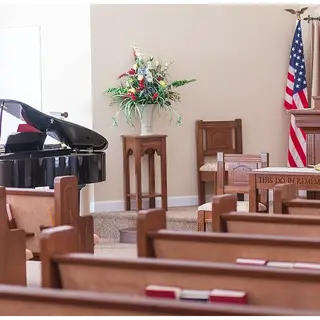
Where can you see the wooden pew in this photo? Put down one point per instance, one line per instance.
(18, 301)
(12, 249)
(34, 210)
(287, 201)
(226, 219)
(154, 241)
(85, 272)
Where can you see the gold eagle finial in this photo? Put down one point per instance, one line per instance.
(298, 13)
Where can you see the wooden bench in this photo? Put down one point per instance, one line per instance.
(226, 219)
(154, 241)
(287, 201)
(12, 249)
(80, 271)
(34, 210)
(18, 301)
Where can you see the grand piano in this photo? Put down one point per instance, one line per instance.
(27, 162)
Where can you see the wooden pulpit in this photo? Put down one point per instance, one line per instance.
(309, 121)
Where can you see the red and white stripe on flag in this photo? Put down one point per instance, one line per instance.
(296, 98)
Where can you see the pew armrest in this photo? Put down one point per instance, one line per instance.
(85, 233)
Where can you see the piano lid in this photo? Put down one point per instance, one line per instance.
(71, 134)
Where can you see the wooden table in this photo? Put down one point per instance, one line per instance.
(267, 178)
(137, 146)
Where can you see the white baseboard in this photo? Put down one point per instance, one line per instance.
(182, 201)
(118, 205)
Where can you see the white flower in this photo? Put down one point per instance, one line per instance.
(140, 77)
(149, 78)
(149, 65)
(135, 67)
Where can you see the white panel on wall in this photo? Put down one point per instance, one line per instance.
(20, 70)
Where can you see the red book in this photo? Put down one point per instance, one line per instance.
(166, 292)
(228, 296)
(304, 265)
(255, 262)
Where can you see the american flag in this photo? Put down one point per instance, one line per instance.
(296, 98)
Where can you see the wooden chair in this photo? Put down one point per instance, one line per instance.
(18, 301)
(236, 182)
(34, 210)
(86, 272)
(226, 219)
(287, 201)
(155, 241)
(212, 137)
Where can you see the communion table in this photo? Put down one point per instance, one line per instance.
(267, 178)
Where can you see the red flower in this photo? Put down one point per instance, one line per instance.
(141, 84)
(131, 72)
(155, 96)
(159, 78)
(133, 97)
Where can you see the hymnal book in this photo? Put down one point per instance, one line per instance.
(195, 295)
(305, 265)
(280, 264)
(42, 188)
(228, 296)
(255, 262)
(167, 292)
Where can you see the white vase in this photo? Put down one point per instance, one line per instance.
(146, 115)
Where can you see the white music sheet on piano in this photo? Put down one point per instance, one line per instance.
(20, 72)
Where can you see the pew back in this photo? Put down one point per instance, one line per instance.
(34, 210)
(155, 241)
(287, 201)
(17, 301)
(226, 220)
(76, 271)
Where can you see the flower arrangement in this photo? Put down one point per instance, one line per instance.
(146, 83)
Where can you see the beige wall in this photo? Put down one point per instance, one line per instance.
(239, 54)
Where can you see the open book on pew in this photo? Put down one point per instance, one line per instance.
(215, 295)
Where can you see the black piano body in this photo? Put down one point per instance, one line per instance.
(27, 163)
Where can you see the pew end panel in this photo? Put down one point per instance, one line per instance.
(85, 228)
(283, 192)
(58, 240)
(148, 221)
(15, 258)
(12, 249)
